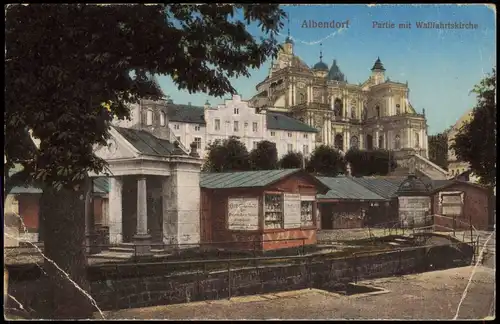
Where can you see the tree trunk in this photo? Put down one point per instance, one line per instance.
(63, 222)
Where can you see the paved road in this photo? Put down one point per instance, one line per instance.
(431, 295)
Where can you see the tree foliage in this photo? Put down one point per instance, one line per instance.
(60, 97)
(70, 69)
(438, 149)
(227, 155)
(264, 156)
(291, 160)
(326, 161)
(370, 162)
(476, 141)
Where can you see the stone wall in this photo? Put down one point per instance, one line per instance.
(130, 286)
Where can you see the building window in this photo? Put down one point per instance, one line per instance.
(236, 126)
(377, 111)
(289, 147)
(354, 142)
(339, 142)
(176, 126)
(417, 140)
(289, 134)
(381, 142)
(217, 124)
(197, 140)
(305, 149)
(337, 107)
(236, 111)
(197, 128)
(305, 136)
(273, 134)
(397, 142)
(255, 126)
(273, 211)
(149, 117)
(255, 145)
(162, 118)
(306, 212)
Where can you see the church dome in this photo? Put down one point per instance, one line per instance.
(335, 73)
(320, 66)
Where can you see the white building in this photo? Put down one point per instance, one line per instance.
(203, 125)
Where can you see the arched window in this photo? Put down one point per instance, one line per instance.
(149, 117)
(377, 111)
(397, 142)
(162, 118)
(302, 98)
(339, 142)
(381, 141)
(337, 107)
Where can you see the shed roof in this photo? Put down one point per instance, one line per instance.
(244, 179)
(345, 188)
(145, 142)
(283, 122)
(388, 186)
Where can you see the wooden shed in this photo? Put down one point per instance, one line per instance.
(457, 204)
(259, 210)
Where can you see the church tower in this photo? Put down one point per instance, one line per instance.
(378, 72)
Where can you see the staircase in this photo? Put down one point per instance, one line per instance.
(430, 169)
(422, 165)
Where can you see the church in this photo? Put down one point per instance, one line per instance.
(374, 114)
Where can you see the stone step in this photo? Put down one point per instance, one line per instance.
(394, 243)
(113, 255)
(400, 240)
(121, 249)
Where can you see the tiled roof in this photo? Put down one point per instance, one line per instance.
(145, 142)
(185, 114)
(346, 188)
(279, 121)
(244, 179)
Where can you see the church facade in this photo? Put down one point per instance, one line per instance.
(374, 114)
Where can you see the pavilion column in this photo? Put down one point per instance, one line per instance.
(142, 239)
(115, 211)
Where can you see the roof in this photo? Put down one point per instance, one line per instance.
(145, 142)
(378, 65)
(244, 179)
(382, 186)
(335, 73)
(283, 122)
(345, 188)
(320, 66)
(101, 185)
(25, 190)
(253, 179)
(413, 185)
(185, 113)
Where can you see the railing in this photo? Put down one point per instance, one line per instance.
(425, 162)
(172, 138)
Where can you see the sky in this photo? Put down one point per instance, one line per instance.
(441, 66)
